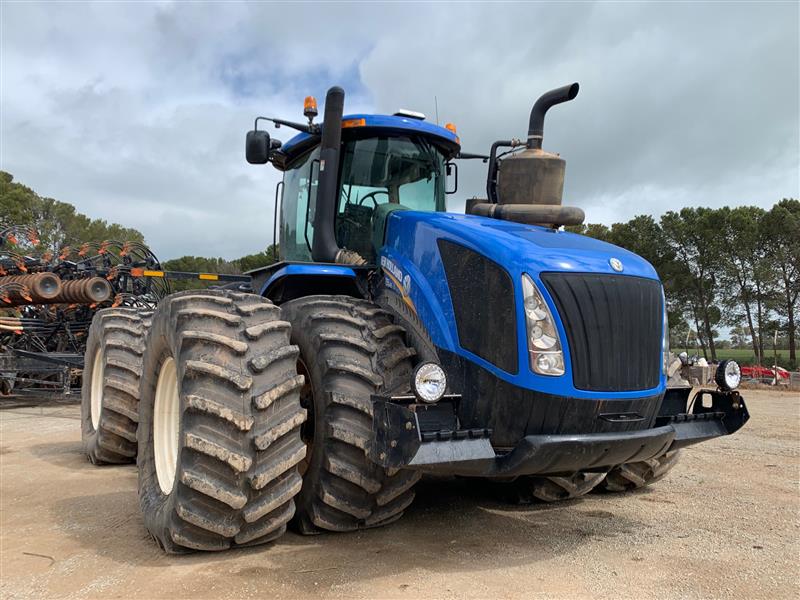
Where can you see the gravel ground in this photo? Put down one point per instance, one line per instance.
(724, 523)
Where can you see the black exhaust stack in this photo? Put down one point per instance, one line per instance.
(324, 248)
(545, 102)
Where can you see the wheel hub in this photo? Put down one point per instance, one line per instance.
(307, 428)
(166, 425)
(98, 374)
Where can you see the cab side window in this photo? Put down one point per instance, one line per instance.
(297, 209)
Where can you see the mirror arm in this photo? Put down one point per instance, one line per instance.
(305, 128)
(468, 155)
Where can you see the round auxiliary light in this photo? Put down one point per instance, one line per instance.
(430, 382)
(728, 375)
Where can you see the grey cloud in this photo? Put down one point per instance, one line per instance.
(137, 113)
(679, 101)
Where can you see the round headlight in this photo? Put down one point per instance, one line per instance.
(728, 375)
(543, 335)
(430, 382)
(550, 363)
(534, 309)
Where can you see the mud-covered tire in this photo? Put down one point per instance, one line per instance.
(350, 349)
(631, 476)
(556, 489)
(111, 376)
(238, 436)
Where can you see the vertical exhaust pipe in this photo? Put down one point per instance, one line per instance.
(540, 108)
(324, 247)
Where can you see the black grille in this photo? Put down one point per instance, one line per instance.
(483, 302)
(613, 326)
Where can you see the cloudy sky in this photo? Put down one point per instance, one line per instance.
(136, 112)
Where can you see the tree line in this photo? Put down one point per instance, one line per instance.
(57, 223)
(728, 267)
(218, 265)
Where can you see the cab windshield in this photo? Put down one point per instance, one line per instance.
(382, 174)
(377, 175)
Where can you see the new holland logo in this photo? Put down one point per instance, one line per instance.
(400, 280)
(616, 264)
(407, 284)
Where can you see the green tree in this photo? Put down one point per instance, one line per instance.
(692, 235)
(16, 201)
(741, 269)
(782, 244)
(258, 260)
(593, 230)
(58, 223)
(643, 236)
(739, 337)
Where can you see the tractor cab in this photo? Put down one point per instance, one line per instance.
(387, 163)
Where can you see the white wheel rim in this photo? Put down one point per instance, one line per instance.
(166, 425)
(96, 395)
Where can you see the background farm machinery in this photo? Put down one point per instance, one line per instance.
(48, 300)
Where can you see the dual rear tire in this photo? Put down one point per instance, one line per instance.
(622, 478)
(556, 489)
(632, 476)
(349, 349)
(111, 379)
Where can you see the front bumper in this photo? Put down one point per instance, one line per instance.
(400, 442)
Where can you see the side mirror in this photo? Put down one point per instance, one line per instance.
(257, 147)
(451, 169)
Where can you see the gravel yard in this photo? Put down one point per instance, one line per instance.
(724, 523)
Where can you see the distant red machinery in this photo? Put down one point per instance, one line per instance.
(758, 372)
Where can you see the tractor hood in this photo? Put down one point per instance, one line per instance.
(514, 246)
(437, 260)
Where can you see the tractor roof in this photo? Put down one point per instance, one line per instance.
(374, 124)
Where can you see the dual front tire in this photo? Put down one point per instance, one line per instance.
(212, 404)
(219, 433)
(226, 455)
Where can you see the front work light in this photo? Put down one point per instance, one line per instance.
(544, 346)
(728, 375)
(429, 382)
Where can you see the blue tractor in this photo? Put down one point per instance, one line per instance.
(395, 339)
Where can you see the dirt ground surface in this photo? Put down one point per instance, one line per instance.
(725, 523)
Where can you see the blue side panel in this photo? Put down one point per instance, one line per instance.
(412, 252)
(306, 270)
